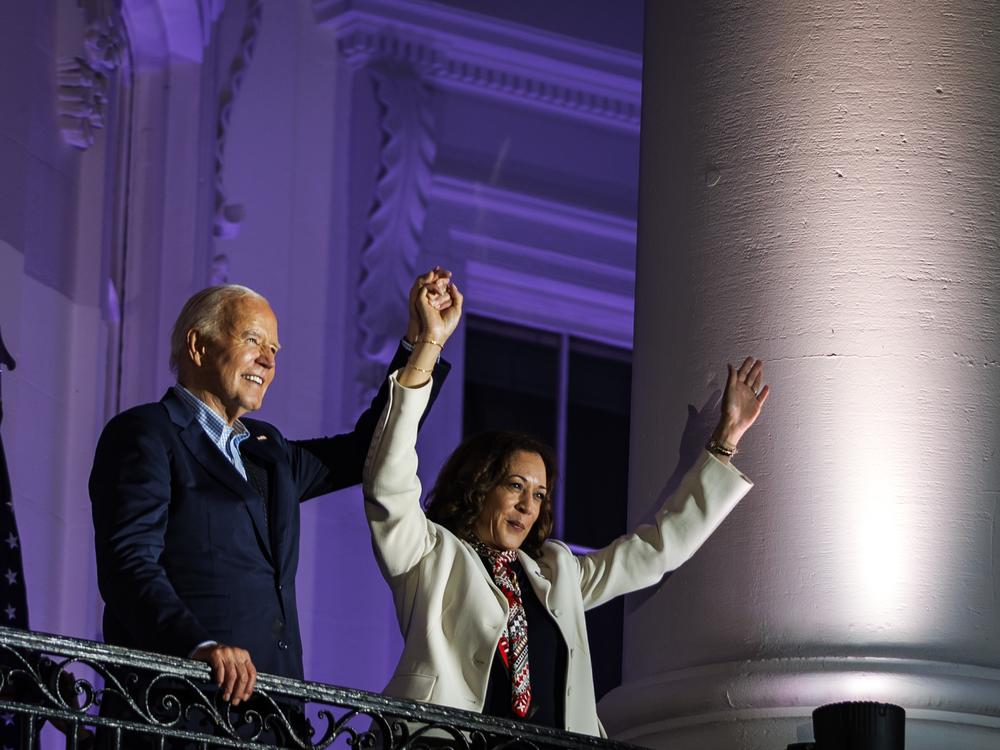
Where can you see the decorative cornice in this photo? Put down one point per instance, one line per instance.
(469, 52)
(83, 81)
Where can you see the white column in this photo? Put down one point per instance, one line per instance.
(820, 188)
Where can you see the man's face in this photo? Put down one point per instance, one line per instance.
(236, 368)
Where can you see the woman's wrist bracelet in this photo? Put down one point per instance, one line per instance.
(720, 448)
(430, 341)
(419, 369)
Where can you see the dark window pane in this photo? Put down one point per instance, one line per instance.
(597, 436)
(596, 481)
(511, 380)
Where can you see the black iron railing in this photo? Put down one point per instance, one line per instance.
(106, 696)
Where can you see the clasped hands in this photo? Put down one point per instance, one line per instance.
(435, 307)
(435, 310)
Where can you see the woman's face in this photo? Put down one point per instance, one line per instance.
(511, 508)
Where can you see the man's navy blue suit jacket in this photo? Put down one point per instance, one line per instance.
(187, 551)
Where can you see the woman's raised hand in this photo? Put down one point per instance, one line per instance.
(741, 402)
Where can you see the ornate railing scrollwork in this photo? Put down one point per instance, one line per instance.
(138, 699)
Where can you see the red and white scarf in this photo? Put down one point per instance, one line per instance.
(513, 645)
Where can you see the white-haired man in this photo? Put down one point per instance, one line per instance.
(196, 509)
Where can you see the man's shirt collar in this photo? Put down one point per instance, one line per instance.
(226, 438)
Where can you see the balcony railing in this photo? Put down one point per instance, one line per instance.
(121, 698)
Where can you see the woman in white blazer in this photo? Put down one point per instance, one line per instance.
(491, 610)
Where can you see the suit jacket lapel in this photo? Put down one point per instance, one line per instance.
(212, 460)
(487, 576)
(260, 450)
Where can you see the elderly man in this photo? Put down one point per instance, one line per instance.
(196, 509)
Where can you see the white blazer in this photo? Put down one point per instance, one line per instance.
(450, 612)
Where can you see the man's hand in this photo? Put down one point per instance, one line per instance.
(436, 281)
(232, 670)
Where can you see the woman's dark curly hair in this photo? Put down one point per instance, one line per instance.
(476, 467)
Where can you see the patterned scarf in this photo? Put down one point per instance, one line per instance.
(513, 645)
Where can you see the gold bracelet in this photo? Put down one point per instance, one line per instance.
(430, 341)
(420, 369)
(720, 449)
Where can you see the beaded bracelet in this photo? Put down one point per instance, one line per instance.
(720, 449)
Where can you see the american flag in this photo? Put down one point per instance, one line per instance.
(13, 596)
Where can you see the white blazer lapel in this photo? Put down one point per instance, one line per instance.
(478, 563)
(539, 582)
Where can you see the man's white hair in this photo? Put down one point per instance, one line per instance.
(205, 313)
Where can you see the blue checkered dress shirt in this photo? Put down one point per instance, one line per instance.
(227, 439)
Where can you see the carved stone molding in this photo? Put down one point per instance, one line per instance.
(464, 51)
(396, 217)
(228, 216)
(82, 81)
